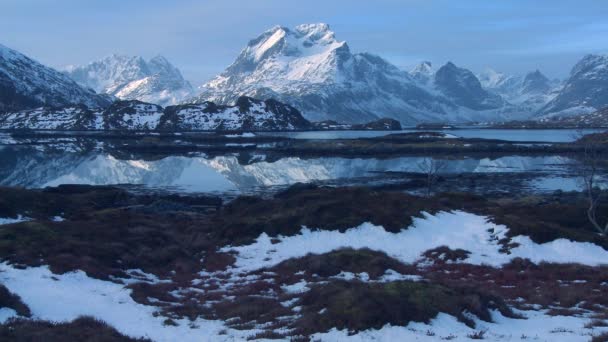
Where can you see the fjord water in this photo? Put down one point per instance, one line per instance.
(538, 135)
(252, 172)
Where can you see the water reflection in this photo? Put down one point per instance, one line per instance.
(35, 169)
(539, 135)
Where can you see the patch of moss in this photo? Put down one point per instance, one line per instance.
(12, 301)
(358, 306)
(374, 263)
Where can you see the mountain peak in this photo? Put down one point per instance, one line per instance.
(464, 87)
(310, 69)
(316, 33)
(134, 78)
(536, 82)
(450, 65)
(585, 90)
(589, 64)
(536, 74)
(423, 72)
(424, 66)
(160, 59)
(280, 40)
(492, 79)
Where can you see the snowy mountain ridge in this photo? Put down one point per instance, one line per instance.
(585, 91)
(133, 78)
(529, 93)
(318, 74)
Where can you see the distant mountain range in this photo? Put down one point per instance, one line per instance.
(312, 70)
(308, 68)
(133, 78)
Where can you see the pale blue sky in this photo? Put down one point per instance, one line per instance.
(203, 37)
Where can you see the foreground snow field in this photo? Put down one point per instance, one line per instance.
(456, 230)
(67, 296)
(61, 297)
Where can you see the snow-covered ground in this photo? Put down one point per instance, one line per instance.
(456, 230)
(60, 297)
(536, 327)
(65, 297)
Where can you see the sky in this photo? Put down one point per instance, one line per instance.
(203, 37)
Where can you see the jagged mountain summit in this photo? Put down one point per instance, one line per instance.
(585, 91)
(528, 93)
(133, 78)
(310, 69)
(423, 72)
(464, 88)
(25, 83)
(536, 83)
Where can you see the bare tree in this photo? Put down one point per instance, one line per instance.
(431, 168)
(590, 170)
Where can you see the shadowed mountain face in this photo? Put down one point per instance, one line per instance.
(464, 88)
(536, 82)
(25, 83)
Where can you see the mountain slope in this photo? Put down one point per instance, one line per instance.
(585, 91)
(464, 88)
(133, 78)
(25, 83)
(310, 69)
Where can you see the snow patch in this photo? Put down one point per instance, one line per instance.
(65, 297)
(8, 220)
(457, 230)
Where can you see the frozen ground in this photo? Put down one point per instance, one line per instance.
(56, 297)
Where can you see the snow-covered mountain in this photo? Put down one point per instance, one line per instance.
(423, 72)
(310, 69)
(25, 83)
(528, 93)
(133, 78)
(585, 91)
(248, 114)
